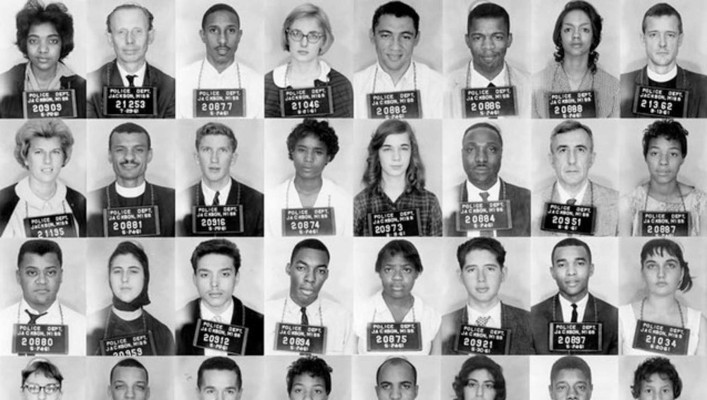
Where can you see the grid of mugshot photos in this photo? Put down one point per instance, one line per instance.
(445, 199)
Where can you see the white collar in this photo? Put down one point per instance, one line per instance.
(279, 74)
(209, 194)
(656, 77)
(408, 75)
(25, 193)
(31, 83)
(210, 68)
(494, 313)
(473, 193)
(480, 81)
(139, 79)
(130, 192)
(225, 316)
(53, 309)
(564, 195)
(566, 306)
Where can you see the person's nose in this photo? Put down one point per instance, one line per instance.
(575, 34)
(663, 42)
(214, 157)
(481, 156)
(572, 157)
(129, 38)
(309, 276)
(396, 394)
(43, 46)
(481, 276)
(487, 43)
(214, 281)
(222, 38)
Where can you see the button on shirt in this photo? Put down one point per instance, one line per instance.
(474, 194)
(494, 314)
(567, 308)
(223, 318)
(139, 75)
(209, 194)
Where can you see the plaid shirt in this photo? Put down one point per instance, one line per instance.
(374, 200)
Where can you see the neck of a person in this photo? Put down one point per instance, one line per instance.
(220, 66)
(575, 66)
(393, 186)
(303, 302)
(573, 189)
(218, 185)
(304, 71)
(43, 190)
(489, 74)
(397, 75)
(218, 310)
(131, 67)
(482, 307)
(664, 190)
(39, 307)
(662, 304)
(576, 297)
(308, 186)
(399, 303)
(484, 185)
(661, 69)
(44, 78)
(128, 315)
(131, 183)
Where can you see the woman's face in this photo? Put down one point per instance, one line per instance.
(662, 273)
(43, 47)
(303, 50)
(664, 159)
(394, 155)
(576, 33)
(45, 159)
(127, 277)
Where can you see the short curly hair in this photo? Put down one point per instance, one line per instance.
(656, 365)
(35, 13)
(668, 129)
(319, 129)
(475, 363)
(46, 129)
(312, 366)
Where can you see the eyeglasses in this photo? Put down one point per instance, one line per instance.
(297, 35)
(48, 389)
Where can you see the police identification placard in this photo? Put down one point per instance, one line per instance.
(658, 223)
(209, 103)
(566, 105)
(568, 218)
(395, 223)
(219, 336)
(482, 340)
(659, 338)
(40, 338)
(51, 226)
(571, 337)
(300, 338)
(49, 104)
(126, 102)
(306, 102)
(489, 102)
(398, 105)
(308, 221)
(651, 101)
(131, 221)
(138, 344)
(484, 215)
(210, 220)
(394, 336)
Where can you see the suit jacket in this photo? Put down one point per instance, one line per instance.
(191, 313)
(513, 318)
(608, 315)
(693, 82)
(164, 200)
(108, 75)
(251, 199)
(605, 200)
(12, 84)
(520, 211)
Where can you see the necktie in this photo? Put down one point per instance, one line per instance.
(491, 85)
(215, 202)
(485, 199)
(572, 201)
(131, 80)
(305, 320)
(574, 313)
(482, 321)
(33, 317)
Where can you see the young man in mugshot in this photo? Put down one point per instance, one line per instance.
(220, 378)
(396, 85)
(396, 379)
(128, 86)
(240, 89)
(130, 206)
(216, 264)
(129, 379)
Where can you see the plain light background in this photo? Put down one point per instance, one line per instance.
(603, 284)
(159, 54)
(72, 289)
(428, 49)
(274, 381)
(544, 15)
(73, 174)
(160, 370)
(76, 60)
(342, 25)
(691, 54)
(515, 372)
(364, 376)
(73, 369)
(604, 376)
(160, 255)
(185, 377)
(689, 368)
(249, 288)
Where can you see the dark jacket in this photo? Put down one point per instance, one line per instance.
(162, 336)
(108, 75)
(12, 84)
(9, 199)
(251, 199)
(520, 211)
(693, 82)
(164, 199)
(253, 321)
(608, 315)
(513, 318)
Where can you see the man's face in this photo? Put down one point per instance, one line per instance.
(396, 382)
(482, 275)
(215, 157)
(571, 384)
(127, 277)
(480, 385)
(395, 39)
(129, 155)
(662, 39)
(221, 35)
(482, 152)
(40, 278)
(571, 156)
(130, 35)
(657, 387)
(39, 379)
(308, 387)
(308, 271)
(488, 39)
(664, 159)
(219, 385)
(129, 383)
(45, 159)
(397, 276)
(310, 156)
(571, 269)
(215, 279)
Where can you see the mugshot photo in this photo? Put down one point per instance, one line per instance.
(204, 377)
(672, 377)
(480, 376)
(52, 377)
(308, 376)
(137, 377)
(410, 377)
(581, 377)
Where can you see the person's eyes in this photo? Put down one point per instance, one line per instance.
(672, 265)
(322, 271)
(203, 275)
(566, 30)
(408, 270)
(407, 37)
(231, 392)
(488, 385)
(493, 150)
(674, 154)
(226, 274)
(587, 30)
(54, 41)
(582, 387)
(32, 41)
(52, 273)
(387, 270)
(232, 30)
(581, 263)
(407, 385)
(471, 384)
(384, 35)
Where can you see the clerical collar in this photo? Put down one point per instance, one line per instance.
(130, 192)
(654, 76)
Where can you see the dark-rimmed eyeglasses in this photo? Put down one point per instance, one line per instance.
(297, 35)
(35, 389)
